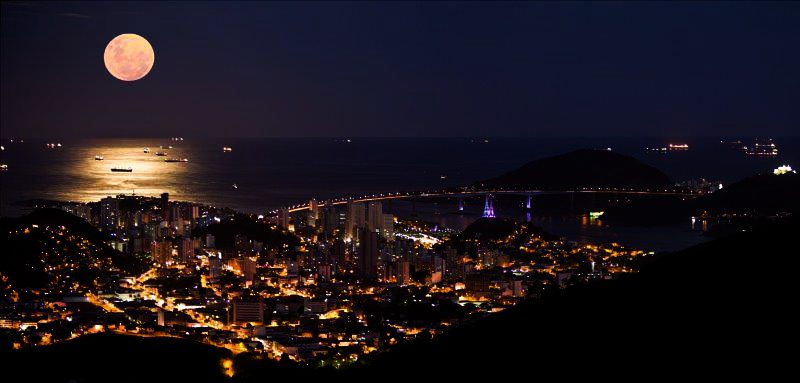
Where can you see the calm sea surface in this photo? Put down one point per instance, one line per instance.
(270, 173)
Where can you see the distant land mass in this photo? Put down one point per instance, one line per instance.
(764, 194)
(585, 168)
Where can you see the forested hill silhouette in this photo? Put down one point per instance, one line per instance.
(585, 168)
(709, 309)
(56, 217)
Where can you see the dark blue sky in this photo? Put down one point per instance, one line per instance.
(405, 69)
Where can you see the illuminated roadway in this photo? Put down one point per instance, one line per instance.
(471, 193)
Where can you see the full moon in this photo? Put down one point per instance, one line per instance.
(129, 57)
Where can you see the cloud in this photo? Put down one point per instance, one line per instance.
(41, 9)
(76, 15)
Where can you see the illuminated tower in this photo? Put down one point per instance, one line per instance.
(460, 204)
(528, 203)
(488, 209)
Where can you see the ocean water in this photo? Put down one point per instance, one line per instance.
(275, 172)
(271, 173)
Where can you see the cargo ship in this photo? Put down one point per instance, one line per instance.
(126, 170)
(173, 159)
(161, 154)
(763, 148)
(98, 158)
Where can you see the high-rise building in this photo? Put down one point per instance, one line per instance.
(283, 218)
(244, 311)
(404, 273)
(313, 209)
(162, 252)
(109, 213)
(387, 228)
(478, 282)
(244, 265)
(354, 220)
(330, 221)
(375, 216)
(324, 272)
(338, 255)
(165, 207)
(368, 254)
(214, 267)
(440, 265)
(187, 250)
(175, 214)
(210, 241)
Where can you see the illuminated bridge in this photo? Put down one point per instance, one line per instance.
(480, 192)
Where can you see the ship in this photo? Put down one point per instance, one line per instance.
(166, 147)
(98, 158)
(161, 153)
(763, 148)
(174, 159)
(674, 147)
(147, 150)
(226, 149)
(126, 170)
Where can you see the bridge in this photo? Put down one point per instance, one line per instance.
(489, 192)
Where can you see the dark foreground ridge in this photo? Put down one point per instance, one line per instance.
(584, 168)
(714, 308)
(107, 357)
(717, 309)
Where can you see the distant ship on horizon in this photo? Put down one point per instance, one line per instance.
(126, 170)
(98, 158)
(173, 159)
(161, 154)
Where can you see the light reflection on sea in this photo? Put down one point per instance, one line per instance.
(274, 172)
(150, 175)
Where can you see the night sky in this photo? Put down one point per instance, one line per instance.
(405, 69)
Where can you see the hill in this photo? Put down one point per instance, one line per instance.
(761, 195)
(52, 238)
(57, 217)
(766, 193)
(107, 357)
(581, 169)
(489, 229)
(704, 311)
